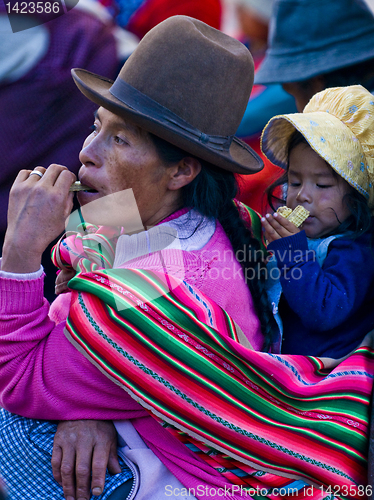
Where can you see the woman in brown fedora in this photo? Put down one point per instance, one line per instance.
(166, 313)
(163, 136)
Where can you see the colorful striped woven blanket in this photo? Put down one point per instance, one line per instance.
(263, 420)
(183, 358)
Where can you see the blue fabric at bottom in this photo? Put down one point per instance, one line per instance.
(25, 460)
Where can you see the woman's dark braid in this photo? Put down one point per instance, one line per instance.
(211, 193)
(254, 269)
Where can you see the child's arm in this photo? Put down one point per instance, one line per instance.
(324, 297)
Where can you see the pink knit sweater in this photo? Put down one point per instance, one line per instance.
(43, 376)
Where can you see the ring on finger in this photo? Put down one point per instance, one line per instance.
(36, 172)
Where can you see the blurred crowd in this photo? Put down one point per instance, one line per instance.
(299, 47)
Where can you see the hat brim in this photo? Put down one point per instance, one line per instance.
(327, 135)
(239, 158)
(296, 66)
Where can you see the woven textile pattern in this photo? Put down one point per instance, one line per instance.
(293, 416)
(262, 420)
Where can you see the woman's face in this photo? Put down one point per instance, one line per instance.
(312, 184)
(115, 157)
(304, 91)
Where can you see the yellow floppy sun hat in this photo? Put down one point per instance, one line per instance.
(338, 123)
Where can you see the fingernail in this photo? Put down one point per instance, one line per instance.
(267, 216)
(275, 214)
(96, 492)
(70, 498)
(263, 219)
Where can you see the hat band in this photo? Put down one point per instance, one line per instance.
(139, 101)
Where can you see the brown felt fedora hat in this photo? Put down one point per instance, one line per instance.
(187, 83)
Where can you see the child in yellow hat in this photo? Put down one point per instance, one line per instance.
(326, 267)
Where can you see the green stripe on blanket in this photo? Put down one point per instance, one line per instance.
(179, 355)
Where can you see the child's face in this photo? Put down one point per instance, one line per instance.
(312, 184)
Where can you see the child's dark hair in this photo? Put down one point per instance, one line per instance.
(359, 220)
(211, 193)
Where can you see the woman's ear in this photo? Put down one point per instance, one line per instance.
(184, 173)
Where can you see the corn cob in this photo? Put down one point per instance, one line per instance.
(297, 216)
(284, 211)
(77, 186)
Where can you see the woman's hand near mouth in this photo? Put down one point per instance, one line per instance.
(38, 208)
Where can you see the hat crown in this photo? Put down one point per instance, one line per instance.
(170, 65)
(325, 22)
(312, 37)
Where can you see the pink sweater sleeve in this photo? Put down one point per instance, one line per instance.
(42, 375)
